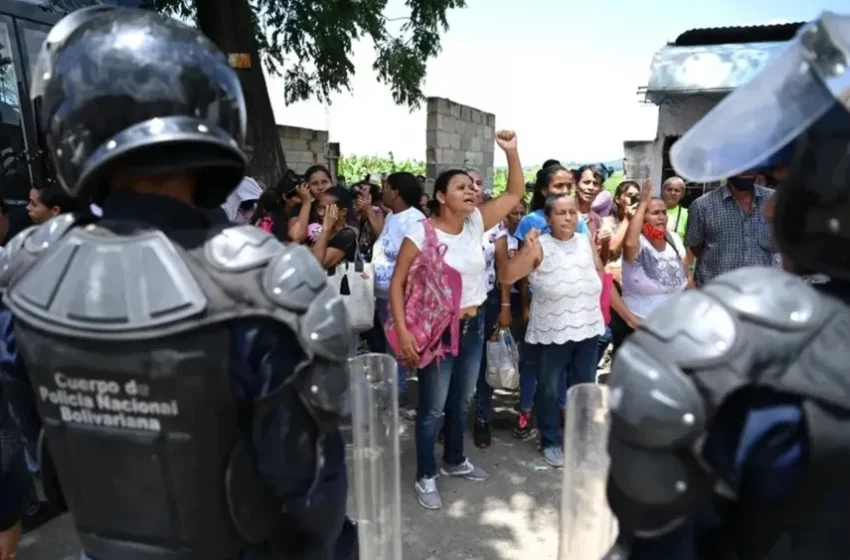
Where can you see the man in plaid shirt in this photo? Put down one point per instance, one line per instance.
(726, 229)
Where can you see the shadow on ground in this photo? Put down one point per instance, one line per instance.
(512, 515)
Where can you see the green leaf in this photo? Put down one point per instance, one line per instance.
(354, 168)
(310, 42)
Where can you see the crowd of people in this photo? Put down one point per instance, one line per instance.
(570, 268)
(721, 445)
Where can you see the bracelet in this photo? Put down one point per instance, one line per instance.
(506, 305)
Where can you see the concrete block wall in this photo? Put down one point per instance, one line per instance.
(638, 160)
(458, 135)
(304, 147)
(675, 117)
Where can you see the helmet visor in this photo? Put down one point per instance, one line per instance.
(755, 121)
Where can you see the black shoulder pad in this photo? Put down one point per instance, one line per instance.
(26, 248)
(14, 259)
(294, 278)
(241, 248)
(93, 282)
(326, 329)
(770, 297)
(48, 233)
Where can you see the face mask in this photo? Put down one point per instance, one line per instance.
(743, 184)
(654, 232)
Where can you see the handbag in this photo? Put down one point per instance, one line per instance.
(356, 282)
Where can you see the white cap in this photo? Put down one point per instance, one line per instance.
(248, 189)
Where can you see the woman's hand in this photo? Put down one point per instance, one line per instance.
(646, 192)
(330, 218)
(407, 347)
(304, 193)
(504, 320)
(632, 321)
(363, 203)
(531, 241)
(506, 139)
(603, 236)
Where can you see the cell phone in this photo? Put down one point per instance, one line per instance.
(634, 198)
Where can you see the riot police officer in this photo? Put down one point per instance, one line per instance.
(187, 380)
(730, 406)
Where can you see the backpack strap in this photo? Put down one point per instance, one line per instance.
(669, 239)
(431, 240)
(430, 232)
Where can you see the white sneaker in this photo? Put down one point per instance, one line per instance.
(426, 491)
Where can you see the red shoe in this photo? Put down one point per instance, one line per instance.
(523, 428)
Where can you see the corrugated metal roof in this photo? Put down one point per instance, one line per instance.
(744, 34)
(681, 71)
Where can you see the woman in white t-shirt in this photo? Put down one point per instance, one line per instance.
(481, 433)
(449, 384)
(653, 264)
(401, 196)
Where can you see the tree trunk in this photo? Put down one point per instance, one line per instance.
(228, 23)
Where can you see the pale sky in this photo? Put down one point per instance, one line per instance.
(564, 75)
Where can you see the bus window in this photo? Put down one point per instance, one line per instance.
(14, 175)
(33, 38)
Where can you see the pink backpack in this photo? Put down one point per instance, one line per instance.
(431, 302)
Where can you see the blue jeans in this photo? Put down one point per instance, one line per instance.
(561, 366)
(382, 309)
(529, 362)
(484, 393)
(448, 385)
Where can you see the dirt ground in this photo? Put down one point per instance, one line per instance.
(511, 516)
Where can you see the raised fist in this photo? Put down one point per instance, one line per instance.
(506, 139)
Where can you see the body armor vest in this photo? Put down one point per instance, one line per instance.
(751, 328)
(126, 343)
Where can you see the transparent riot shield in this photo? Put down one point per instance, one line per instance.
(377, 476)
(588, 528)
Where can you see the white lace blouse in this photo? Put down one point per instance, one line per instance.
(565, 293)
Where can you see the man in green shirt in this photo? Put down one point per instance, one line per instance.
(672, 192)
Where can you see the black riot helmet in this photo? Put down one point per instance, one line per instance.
(131, 90)
(795, 113)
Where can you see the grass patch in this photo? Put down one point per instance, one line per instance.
(614, 180)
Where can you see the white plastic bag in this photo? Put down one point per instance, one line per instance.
(502, 361)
